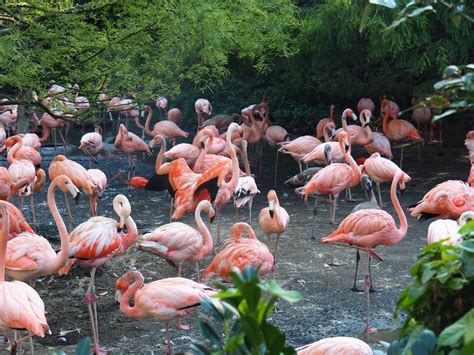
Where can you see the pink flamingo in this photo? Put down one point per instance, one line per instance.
(446, 200)
(161, 103)
(16, 151)
(389, 106)
(164, 300)
(470, 178)
(96, 241)
(178, 242)
(336, 345)
(399, 130)
(381, 145)
(360, 135)
(241, 252)
(165, 128)
(203, 109)
(368, 228)
(129, 143)
(3, 137)
(365, 104)
(30, 256)
(174, 115)
(334, 178)
(222, 122)
(21, 306)
(323, 122)
(259, 109)
(273, 219)
(447, 230)
(382, 170)
(246, 188)
(274, 135)
(188, 152)
(9, 188)
(99, 180)
(18, 224)
(422, 117)
(30, 140)
(48, 123)
(299, 147)
(80, 102)
(91, 143)
(318, 156)
(469, 142)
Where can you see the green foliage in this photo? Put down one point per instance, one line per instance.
(420, 342)
(241, 314)
(82, 348)
(459, 335)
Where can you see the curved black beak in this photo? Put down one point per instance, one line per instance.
(211, 219)
(119, 230)
(77, 198)
(365, 125)
(271, 213)
(202, 145)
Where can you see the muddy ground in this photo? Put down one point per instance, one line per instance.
(328, 308)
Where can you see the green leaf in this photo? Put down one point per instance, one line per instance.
(83, 347)
(453, 334)
(210, 335)
(427, 275)
(274, 289)
(444, 114)
(467, 245)
(451, 70)
(199, 349)
(391, 4)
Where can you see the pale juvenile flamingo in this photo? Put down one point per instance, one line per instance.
(30, 256)
(203, 109)
(322, 122)
(365, 104)
(399, 131)
(165, 128)
(382, 170)
(16, 151)
(96, 241)
(299, 147)
(174, 115)
(91, 143)
(447, 230)
(334, 178)
(246, 188)
(380, 144)
(336, 346)
(241, 252)
(21, 306)
(188, 152)
(164, 300)
(129, 143)
(9, 188)
(366, 229)
(161, 103)
(446, 200)
(273, 219)
(178, 242)
(318, 156)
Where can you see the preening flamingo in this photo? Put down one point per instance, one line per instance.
(322, 123)
(9, 188)
(447, 230)
(273, 219)
(369, 228)
(93, 243)
(18, 224)
(21, 306)
(203, 109)
(30, 256)
(299, 147)
(380, 144)
(99, 180)
(222, 122)
(16, 151)
(446, 200)
(178, 242)
(161, 103)
(241, 252)
(336, 345)
(206, 160)
(164, 300)
(358, 135)
(334, 178)
(31, 140)
(165, 128)
(365, 104)
(390, 107)
(246, 188)
(49, 123)
(382, 170)
(91, 143)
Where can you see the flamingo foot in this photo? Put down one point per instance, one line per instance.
(372, 290)
(99, 351)
(355, 289)
(182, 326)
(370, 330)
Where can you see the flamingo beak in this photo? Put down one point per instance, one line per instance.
(202, 145)
(152, 143)
(271, 208)
(354, 117)
(118, 295)
(211, 218)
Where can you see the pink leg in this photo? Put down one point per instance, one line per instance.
(380, 195)
(368, 285)
(198, 278)
(168, 348)
(93, 311)
(334, 206)
(219, 215)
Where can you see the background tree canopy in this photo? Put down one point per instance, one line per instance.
(304, 54)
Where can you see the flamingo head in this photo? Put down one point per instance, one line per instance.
(367, 115)
(206, 206)
(122, 208)
(366, 182)
(349, 113)
(272, 199)
(342, 138)
(122, 285)
(66, 185)
(161, 103)
(157, 139)
(465, 217)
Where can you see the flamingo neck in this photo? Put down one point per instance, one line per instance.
(402, 231)
(344, 124)
(246, 160)
(147, 124)
(45, 133)
(128, 238)
(367, 130)
(385, 127)
(130, 293)
(63, 255)
(331, 112)
(235, 162)
(4, 238)
(18, 143)
(327, 138)
(352, 163)
(208, 242)
(159, 158)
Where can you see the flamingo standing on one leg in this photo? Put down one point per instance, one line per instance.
(179, 242)
(93, 243)
(9, 188)
(369, 228)
(16, 151)
(48, 123)
(164, 300)
(273, 219)
(241, 252)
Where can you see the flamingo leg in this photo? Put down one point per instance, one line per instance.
(63, 139)
(168, 342)
(301, 168)
(198, 277)
(315, 212)
(334, 207)
(354, 287)
(180, 268)
(276, 169)
(97, 349)
(401, 158)
(55, 138)
(32, 207)
(275, 252)
(68, 207)
(250, 211)
(32, 348)
(219, 219)
(367, 328)
(171, 208)
(380, 195)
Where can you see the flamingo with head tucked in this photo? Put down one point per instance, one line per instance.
(203, 109)
(322, 123)
(365, 104)
(165, 128)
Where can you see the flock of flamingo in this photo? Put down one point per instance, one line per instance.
(201, 177)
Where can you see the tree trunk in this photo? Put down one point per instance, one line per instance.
(23, 120)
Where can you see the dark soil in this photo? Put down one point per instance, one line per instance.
(328, 308)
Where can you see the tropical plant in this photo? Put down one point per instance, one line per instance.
(241, 314)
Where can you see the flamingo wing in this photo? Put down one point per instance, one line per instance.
(26, 252)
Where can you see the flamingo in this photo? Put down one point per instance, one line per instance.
(165, 128)
(188, 152)
(222, 122)
(31, 140)
(365, 104)
(299, 147)
(399, 130)
(16, 151)
(174, 115)
(30, 256)
(469, 142)
(203, 109)
(161, 103)
(48, 123)
(129, 143)
(91, 143)
(447, 230)
(96, 241)
(241, 252)
(246, 188)
(137, 182)
(21, 306)
(178, 242)
(334, 178)
(80, 102)
(422, 117)
(382, 170)
(366, 229)
(380, 144)
(318, 156)
(336, 345)
(3, 137)
(389, 106)
(99, 180)
(18, 224)
(357, 135)
(322, 122)
(9, 188)
(164, 300)
(273, 219)
(446, 200)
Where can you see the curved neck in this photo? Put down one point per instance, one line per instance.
(256, 126)
(235, 162)
(16, 146)
(63, 255)
(128, 238)
(326, 135)
(352, 163)
(131, 291)
(344, 123)
(246, 160)
(18, 185)
(159, 158)
(4, 238)
(402, 231)
(368, 132)
(385, 123)
(331, 112)
(208, 242)
(147, 124)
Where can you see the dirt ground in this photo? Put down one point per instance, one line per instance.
(328, 308)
